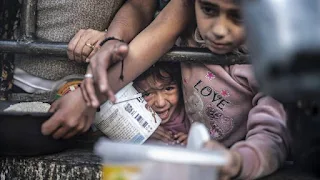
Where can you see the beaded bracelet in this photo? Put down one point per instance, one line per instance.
(109, 39)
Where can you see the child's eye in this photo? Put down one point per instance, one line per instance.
(145, 94)
(210, 10)
(235, 16)
(170, 88)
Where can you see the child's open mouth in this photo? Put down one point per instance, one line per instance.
(163, 115)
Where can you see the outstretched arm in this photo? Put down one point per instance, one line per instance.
(132, 18)
(144, 50)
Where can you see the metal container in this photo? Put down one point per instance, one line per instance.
(20, 134)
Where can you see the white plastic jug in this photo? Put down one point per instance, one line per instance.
(150, 162)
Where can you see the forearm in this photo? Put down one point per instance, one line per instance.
(152, 42)
(133, 17)
(267, 142)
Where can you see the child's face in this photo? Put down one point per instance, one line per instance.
(220, 25)
(162, 98)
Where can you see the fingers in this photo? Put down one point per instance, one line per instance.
(103, 90)
(181, 138)
(116, 54)
(61, 127)
(101, 78)
(62, 131)
(51, 125)
(214, 145)
(54, 106)
(235, 164)
(71, 116)
(234, 160)
(90, 117)
(113, 51)
(96, 48)
(84, 124)
(163, 135)
(83, 48)
(92, 94)
(90, 114)
(73, 43)
(89, 92)
(84, 92)
(73, 131)
(120, 52)
(162, 138)
(84, 44)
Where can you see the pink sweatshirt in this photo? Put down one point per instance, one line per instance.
(227, 101)
(178, 123)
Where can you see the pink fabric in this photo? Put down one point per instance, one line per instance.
(227, 101)
(178, 123)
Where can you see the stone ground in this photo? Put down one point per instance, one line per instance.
(83, 165)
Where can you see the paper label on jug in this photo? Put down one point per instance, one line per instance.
(127, 121)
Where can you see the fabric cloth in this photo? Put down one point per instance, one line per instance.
(177, 124)
(59, 21)
(227, 100)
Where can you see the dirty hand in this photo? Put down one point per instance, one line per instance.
(71, 116)
(84, 44)
(163, 135)
(233, 167)
(181, 138)
(97, 85)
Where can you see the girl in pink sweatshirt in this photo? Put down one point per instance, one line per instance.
(248, 125)
(160, 86)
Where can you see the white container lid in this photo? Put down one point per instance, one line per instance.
(123, 152)
(113, 152)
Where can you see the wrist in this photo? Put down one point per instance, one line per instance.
(110, 38)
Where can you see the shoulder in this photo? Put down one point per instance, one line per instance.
(244, 75)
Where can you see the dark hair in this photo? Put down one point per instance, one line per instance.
(156, 71)
(237, 2)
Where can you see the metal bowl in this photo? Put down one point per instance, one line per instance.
(20, 134)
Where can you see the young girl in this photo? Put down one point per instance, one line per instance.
(226, 98)
(160, 86)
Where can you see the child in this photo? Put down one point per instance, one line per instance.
(160, 86)
(226, 98)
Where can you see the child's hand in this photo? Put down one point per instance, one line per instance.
(96, 85)
(163, 135)
(181, 138)
(233, 168)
